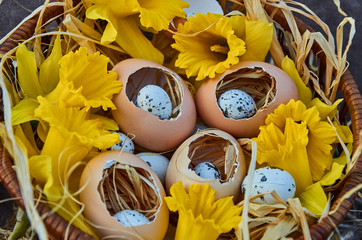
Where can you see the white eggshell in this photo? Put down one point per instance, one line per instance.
(268, 179)
(203, 7)
(157, 162)
(155, 100)
(131, 218)
(207, 170)
(236, 104)
(124, 144)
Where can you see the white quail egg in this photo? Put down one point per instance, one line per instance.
(236, 104)
(155, 100)
(157, 162)
(268, 179)
(131, 218)
(207, 170)
(124, 144)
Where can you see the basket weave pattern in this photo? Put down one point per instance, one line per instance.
(56, 226)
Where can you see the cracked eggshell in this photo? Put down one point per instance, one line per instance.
(178, 169)
(211, 114)
(95, 209)
(151, 132)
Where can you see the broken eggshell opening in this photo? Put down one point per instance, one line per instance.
(267, 84)
(150, 131)
(97, 195)
(214, 146)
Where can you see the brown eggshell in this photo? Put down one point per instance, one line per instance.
(151, 132)
(95, 209)
(209, 111)
(178, 169)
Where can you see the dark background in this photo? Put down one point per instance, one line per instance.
(13, 11)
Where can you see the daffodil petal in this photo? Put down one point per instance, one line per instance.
(49, 70)
(158, 14)
(40, 167)
(314, 199)
(28, 72)
(332, 175)
(319, 149)
(119, 8)
(238, 23)
(179, 197)
(101, 12)
(227, 214)
(344, 133)
(132, 40)
(258, 38)
(324, 109)
(72, 124)
(107, 123)
(304, 92)
(32, 149)
(342, 159)
(23, 111)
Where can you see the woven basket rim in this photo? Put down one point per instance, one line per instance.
(55, 224)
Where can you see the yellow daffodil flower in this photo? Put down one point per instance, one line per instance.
(85, 81)
(200, 216)
(35, 83)
(321, 134)
(71, 136)
(32, 82)
(286, 149)
(123, 18)
(210, 44)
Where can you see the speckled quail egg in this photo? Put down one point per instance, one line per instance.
(268, 179)
(207, 170)
(109, 163)
(157, 162)
(124, 144)
(155, 100)
(131, 218)
(236, 104)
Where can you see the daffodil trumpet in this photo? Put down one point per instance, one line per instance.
(200, 216)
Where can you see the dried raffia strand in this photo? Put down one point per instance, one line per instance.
(254, 81)
(125, 187)
(335, 59)
(243, 230)
(20, 159)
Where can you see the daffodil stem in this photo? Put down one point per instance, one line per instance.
(21, 225)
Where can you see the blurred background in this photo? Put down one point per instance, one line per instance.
(13, 11)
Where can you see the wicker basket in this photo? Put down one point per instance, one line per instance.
(352, 105)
